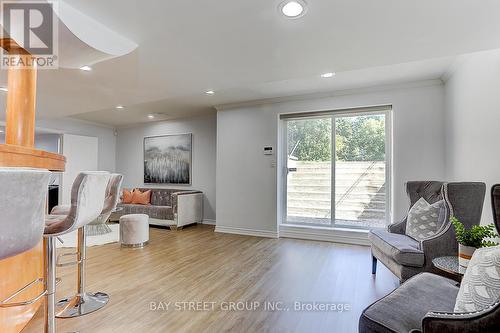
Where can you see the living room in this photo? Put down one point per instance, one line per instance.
(295, 166)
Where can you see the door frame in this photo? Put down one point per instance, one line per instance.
(386, 110)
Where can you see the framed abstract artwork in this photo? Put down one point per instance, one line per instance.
(167, 159)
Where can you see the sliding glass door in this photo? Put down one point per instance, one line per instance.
(338, 169)
(309, 168)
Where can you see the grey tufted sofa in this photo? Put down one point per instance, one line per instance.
(406, 257)
(169, 207)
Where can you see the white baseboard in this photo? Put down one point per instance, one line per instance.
(246, 232)
(337, 235)
(208, 221)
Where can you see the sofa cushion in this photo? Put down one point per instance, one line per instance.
(156, 212)
(141, 198)
(425, 220)
(403, 309)
(480, 286)
(127, 196)
(160, 196)
(403, 249)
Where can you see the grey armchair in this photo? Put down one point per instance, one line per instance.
(425, 304)
(405, 256)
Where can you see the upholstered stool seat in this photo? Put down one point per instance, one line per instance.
(134, 230)
(22, 210)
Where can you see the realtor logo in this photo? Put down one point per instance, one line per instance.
(32, 26)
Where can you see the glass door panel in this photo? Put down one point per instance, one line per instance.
(309, 171)
(360, 171)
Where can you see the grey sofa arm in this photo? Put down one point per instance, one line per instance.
(187, 207)
(487, 320)
(398, 227)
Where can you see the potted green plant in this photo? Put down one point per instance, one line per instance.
(471, 239)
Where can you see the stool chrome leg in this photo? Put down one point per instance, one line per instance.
(83, 302)
(50, 284)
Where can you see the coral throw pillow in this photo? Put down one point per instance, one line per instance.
(127, 196)
(141, 198)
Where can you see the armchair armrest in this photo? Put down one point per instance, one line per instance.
(398, 227)
(441, 244)
(487, 320)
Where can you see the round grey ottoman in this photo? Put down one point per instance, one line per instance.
(134, 230)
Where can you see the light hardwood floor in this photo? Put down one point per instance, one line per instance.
(197, 264)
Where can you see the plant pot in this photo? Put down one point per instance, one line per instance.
(464, 254)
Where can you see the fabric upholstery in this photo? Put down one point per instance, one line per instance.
(404, 249)
(98, 227)
(404, 308)
(22, 209)
(60, 210)
(134, 229)
(425, 220)
(156, 212)
(127, 196)
(403, 272)
(163, 204)
(480, 287)
(431, 191)
(398, 227)
(87, 201)
(160, 196)
(112, 195)
(487, 320)
(141, 198)
(464, 200)
(495, 204)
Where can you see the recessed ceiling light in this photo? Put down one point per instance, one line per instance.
(293, 8)
(150, 116)
(4, 89)
(86, 68)
(119, 107)
(209, 92)
(327, 75)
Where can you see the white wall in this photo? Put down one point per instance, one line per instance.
(105, 135)
(130, 158)
(473, 123)
(81, 154)
(247, 180)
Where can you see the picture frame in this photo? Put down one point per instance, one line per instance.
(168, 159)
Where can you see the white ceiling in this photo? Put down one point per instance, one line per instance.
(245, 50)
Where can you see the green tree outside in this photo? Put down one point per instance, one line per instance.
(360, 138)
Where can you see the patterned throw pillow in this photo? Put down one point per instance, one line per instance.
(425, 220)
(480, 286)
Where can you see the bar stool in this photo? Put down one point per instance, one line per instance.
(87, 201)
(22, 210)
(87, 302)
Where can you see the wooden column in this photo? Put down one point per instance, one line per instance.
(18, 151)
(21, 98)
